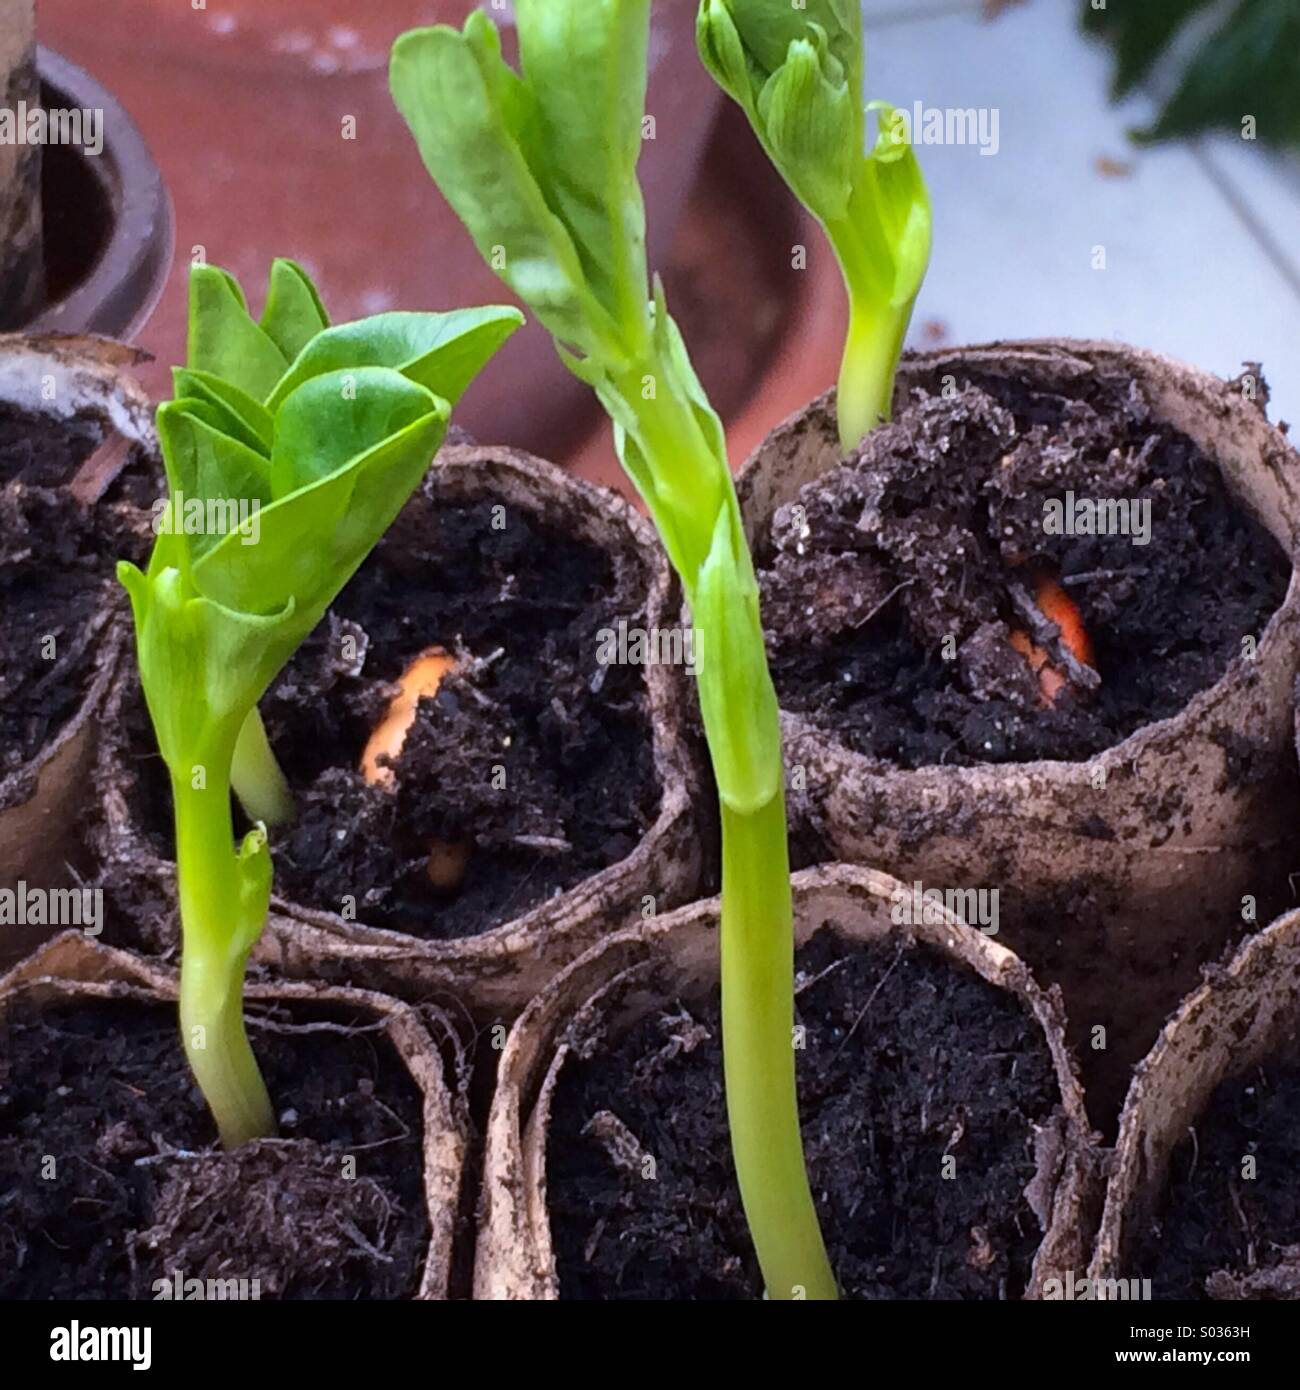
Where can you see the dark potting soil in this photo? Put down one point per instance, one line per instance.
(56, 576)
(1221, 1233)
(110, 1177)
(891, 585)
(907, 1061)
(531, 755)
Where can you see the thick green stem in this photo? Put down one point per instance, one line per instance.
(692, 483)
(877, 328)
(871, 351)
(215, 949)
(260, 785)
(758, 1049)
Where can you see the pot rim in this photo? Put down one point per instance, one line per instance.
(122, 288)
(1084, 351)
(92, 377)
(469, 966)
(514, 1256)
(1255, 993)
(73, 965)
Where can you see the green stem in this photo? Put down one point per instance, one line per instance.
(215, 949)
(691, 484)
(759, 1054)
(872, 348)
(262, 788)
(877, 328)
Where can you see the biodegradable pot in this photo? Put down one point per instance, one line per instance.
(1239, 1018)
(72, 969)
(496, 972)
(1171, 835)
(82, 380)
(639, 970)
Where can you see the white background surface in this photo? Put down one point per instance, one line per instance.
(1202, 238)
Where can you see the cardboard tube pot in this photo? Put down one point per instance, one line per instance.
(640, 970)
(1160, 835)
(495, 972)
(83, 383)
(1239, 1018)
(73, 970)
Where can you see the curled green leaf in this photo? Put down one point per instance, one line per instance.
(798, 73)
(737, 699)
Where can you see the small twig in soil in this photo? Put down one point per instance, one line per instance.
(880, 984)
(350, 1229)
(897, 589)
(589, 1250)
(1088, 576)
(1043, 632)
(347, 1030)
(803, 984)
(1235, 1193)
(547, 844)
(623, 1147)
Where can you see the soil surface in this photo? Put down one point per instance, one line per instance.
(56, 577)
(532, 763)
(101, 1091)
(892, 587)
(1219, 1233)
(959, 1071)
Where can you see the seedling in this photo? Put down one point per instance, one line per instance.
(541, 168)
(798, 71)
(325, 432)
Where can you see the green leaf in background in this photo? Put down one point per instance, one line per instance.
(1245, 65)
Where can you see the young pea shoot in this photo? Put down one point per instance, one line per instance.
(541, 168)
(324, 432)
(797, 71)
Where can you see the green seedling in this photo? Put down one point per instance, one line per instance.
(797, 71)
(541, 168)
(322, 433)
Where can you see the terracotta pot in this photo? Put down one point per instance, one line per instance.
(43, 803)
(1239, 1018)
(107, 217)
(397, 245)
(71, 969)
(1154, 830)
(637, 971)
(22, 266)
(498, 971)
